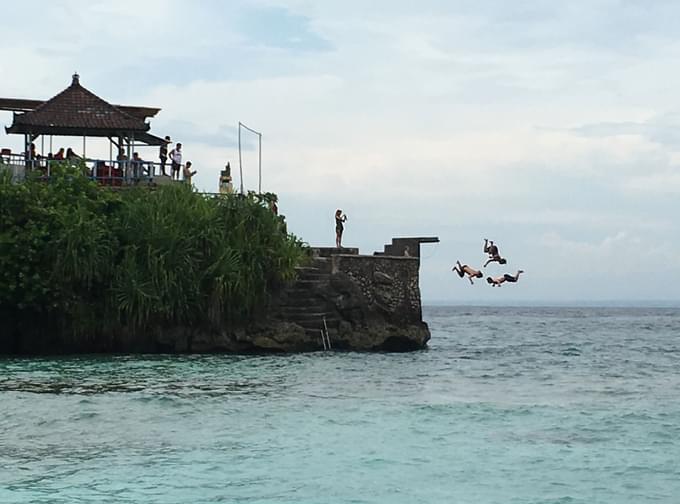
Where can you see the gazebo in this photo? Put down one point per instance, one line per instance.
(77, 112)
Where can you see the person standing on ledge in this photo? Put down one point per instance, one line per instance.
(498, 281)
(339, 227)
(463, 269)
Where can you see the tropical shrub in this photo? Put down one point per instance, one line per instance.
(78, 259)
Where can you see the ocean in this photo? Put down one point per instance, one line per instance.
(507, 405)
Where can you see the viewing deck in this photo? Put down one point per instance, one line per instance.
(105, 172)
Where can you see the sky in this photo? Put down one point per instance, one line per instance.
(549, 127)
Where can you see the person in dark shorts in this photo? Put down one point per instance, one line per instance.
(494, 256)
(339, 227)
(163, 154)
(498, 281)
(175, 161)
(464, 269)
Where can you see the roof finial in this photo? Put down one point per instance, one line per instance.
(76, 78)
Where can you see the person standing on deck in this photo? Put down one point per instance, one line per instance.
(137, 165)
(122, 162)
(188, 173)
(176, 160)
(31, 157)
(163, 154)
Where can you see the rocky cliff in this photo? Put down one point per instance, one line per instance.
(340, 300)
(356, 302)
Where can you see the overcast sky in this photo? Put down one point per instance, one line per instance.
(551, 127)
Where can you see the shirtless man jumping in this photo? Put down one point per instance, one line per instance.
(463, 269)
(498, 281)
(494, 256)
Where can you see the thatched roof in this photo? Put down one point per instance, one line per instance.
(78, 111)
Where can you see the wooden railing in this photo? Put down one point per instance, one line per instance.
(111, 173)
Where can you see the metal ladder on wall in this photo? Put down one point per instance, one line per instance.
(325, 338)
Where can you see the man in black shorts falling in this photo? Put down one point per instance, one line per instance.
(494, 256)
(498, 281)
(464, 269)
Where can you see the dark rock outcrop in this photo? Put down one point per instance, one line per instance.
(367, 303)
(363, 303)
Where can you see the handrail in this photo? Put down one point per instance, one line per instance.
(107, 172)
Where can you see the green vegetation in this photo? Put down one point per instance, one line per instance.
(78, 260)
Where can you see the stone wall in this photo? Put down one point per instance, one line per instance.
(389, 284)
(362, 302)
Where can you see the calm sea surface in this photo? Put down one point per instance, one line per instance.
(508, 405)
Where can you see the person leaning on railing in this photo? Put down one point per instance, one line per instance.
(136, 165)
(122, 162)
(32, 158)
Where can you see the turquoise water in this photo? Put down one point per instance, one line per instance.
(508, 405)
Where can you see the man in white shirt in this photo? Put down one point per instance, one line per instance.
(175, 160)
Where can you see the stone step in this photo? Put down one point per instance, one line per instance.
(299, 289)
(319, 260)
(316, 325)
(329, 251)
(313, 275)
(323, 264)
(315, 321)
(305, 306)
(298, 296)
(292, 310)
(304, 318)
(312, 316)
(319, 279)
(308, 270)
(297, 306)
(305, 284)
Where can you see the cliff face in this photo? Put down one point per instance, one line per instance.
(352, 301)
(363, 302)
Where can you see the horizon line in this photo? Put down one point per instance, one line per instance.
(569, 303)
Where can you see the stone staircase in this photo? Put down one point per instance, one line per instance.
(303, 306)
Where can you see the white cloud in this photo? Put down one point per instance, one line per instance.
(617, 255)
(663, 183)
(462, 119)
